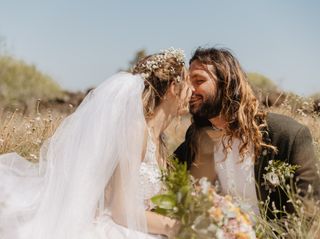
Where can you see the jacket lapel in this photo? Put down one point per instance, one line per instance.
(259, 167)
(263, 195)
(259, 170)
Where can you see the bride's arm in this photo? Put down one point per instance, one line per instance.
(156, 223)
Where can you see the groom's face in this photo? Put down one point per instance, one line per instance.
(205, 101)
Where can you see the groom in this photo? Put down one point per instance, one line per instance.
(229, 131)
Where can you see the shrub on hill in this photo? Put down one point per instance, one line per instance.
(261, 82)
(21, 83)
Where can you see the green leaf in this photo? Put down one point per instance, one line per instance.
(164, 201)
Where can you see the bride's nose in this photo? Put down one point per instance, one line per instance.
(192, 88)
(189, 84)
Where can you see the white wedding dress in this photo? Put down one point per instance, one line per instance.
(90, 172)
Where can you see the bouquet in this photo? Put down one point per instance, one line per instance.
(202, 212)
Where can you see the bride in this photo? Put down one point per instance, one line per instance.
(97, 173)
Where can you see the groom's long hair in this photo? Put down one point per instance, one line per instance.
(239, 106)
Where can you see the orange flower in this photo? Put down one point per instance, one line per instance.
(216, 213)
(242, 235)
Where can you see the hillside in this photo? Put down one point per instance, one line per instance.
(21, 83)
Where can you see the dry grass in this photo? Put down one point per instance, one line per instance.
(25, 134)
(301, 109)
(305, 223)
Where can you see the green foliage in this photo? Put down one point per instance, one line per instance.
(20, 82)
(177, 202)
(177, 198)
(259, 81)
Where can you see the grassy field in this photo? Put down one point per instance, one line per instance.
(306, 222)
(25, 135)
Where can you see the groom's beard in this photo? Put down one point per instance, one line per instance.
(208, 109)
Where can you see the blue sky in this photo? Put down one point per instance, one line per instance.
(81, 43)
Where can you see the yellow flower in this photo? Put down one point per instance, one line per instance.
(216, 213)
(228, 198)
(246, 219)
(241, 235)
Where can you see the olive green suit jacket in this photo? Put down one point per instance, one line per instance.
(295, 146)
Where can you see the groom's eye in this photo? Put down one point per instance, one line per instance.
(199, 82)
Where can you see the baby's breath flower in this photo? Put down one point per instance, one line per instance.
(158, 61)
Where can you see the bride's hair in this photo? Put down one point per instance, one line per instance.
(159, 71)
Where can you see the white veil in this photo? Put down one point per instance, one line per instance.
(100, 144)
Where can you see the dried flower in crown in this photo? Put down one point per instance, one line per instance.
(158, 61)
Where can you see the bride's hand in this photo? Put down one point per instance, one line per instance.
(172, 228)
(162, 225)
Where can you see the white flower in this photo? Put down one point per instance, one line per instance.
(145, 75)
(277, 172)
(264, 152)
(273, 179)
(204, 185)
(220, 234)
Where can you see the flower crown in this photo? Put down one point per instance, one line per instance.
(158, 60)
